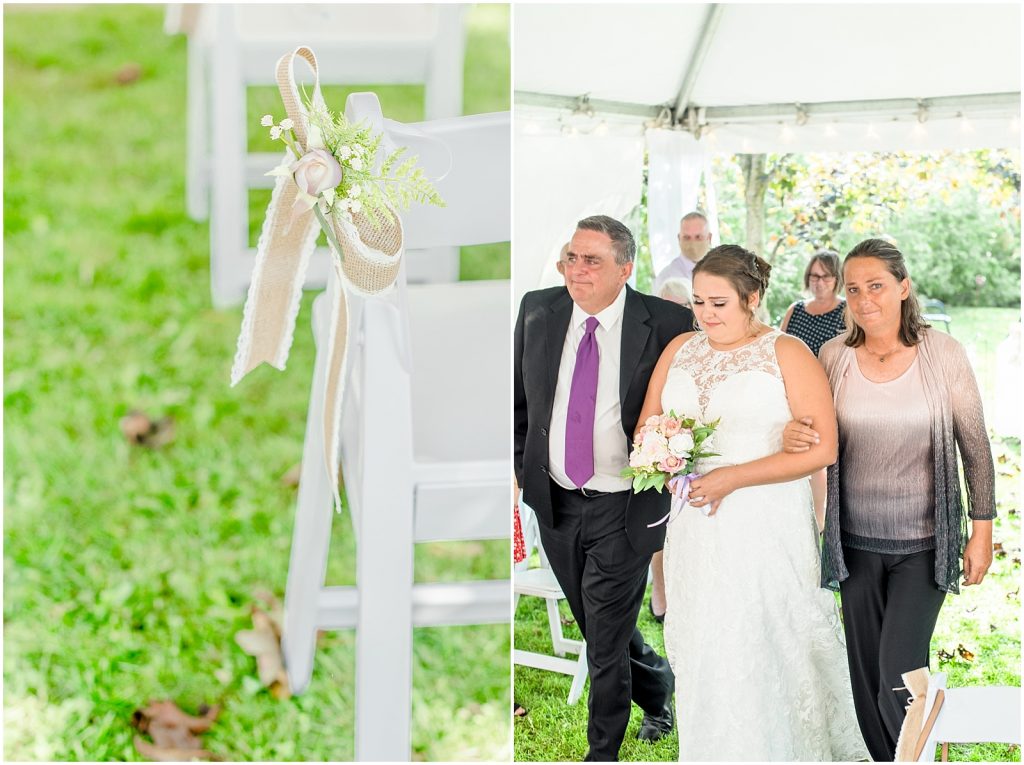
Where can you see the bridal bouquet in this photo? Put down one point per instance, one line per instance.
(336, 175)
(665, 453)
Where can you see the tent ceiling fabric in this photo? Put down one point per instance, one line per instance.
(763, 54)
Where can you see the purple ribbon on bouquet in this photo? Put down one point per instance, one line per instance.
(679, 486)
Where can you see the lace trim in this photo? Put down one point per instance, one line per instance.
(294, 301)
(709, 368)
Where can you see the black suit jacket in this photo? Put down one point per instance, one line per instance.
(648, 325)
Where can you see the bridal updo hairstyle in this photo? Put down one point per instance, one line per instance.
(912, 323)
(745, 271)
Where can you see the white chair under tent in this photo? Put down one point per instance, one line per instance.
(540, 582)
(424, 442)
(229, 47)
(969, 715)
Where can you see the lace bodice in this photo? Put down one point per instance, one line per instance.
(742, 387)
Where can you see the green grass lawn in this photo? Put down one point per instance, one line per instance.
(128, 572)
(984, 620)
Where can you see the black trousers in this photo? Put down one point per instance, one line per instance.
(890, 605)
(604, 581)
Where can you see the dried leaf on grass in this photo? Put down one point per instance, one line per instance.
(964, 653)
(140, 430)
(263, 642)
(291, 476)
(128, 74)
(173, 732)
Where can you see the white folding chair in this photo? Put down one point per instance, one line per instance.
(971, 716)
(233, 46)
(540, 582)
(424, 443)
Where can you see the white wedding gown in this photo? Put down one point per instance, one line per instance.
(756, 646)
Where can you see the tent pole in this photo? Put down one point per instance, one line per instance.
(700, 52)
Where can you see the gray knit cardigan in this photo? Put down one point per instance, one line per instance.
(957, 420)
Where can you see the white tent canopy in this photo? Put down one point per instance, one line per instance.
(751, 78)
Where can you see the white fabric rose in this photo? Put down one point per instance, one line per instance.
(316, 171)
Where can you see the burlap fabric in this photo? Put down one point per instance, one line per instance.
(368, 263)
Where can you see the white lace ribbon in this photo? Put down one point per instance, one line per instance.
(368, 262)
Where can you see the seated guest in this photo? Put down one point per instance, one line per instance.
(677, 290)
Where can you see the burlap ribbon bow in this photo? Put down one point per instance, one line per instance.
(368, 262)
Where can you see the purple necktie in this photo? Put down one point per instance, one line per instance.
(579, 425)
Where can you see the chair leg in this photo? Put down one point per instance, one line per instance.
(555, 625)
(197, 189)
(311, 534)
(580, 678)
(229, 223)
(384, 552)
(443, 87)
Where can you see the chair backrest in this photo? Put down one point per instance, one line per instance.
(531, 535)
(381, 44)
(972, 715)
(979, 714)
(477, 185)
(452, 340)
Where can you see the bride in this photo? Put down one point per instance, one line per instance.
(756, 646)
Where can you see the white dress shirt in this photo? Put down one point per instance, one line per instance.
(681, 266)
(611, 449)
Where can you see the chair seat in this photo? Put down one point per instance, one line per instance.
(539, 582)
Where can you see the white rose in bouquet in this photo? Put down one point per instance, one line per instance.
(681, 443)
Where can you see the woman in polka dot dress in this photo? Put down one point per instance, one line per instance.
(818, 320)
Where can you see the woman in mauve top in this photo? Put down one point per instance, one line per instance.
(906, 402)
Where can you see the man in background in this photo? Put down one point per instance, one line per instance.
(694, 243)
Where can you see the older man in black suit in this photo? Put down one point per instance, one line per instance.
(583, 356)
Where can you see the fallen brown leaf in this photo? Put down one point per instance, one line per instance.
(944, 655)
(291, 476)
(263, 642)
(173, 732)
(128, 74)
(170, 754)
(964, 653)
(140, 430)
